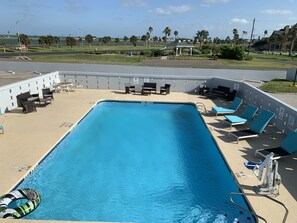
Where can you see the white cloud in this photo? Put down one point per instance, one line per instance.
(208, 3)
(172, 10)
(276, 12)
(240, 21)
(134, 3)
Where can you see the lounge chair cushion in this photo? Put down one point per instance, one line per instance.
(290, 143)
(261, 121)
(231, 109)
(247, 115)
(235, 119)
(223, 110)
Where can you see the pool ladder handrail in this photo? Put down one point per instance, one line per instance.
(258, 195)
(200, 105)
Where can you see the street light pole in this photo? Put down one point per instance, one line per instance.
(19, 34)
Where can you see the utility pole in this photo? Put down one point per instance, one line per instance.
(19, 36)
(252, 33)
(295, 78)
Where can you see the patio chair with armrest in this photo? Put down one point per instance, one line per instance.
(47, 93)
(28, 106)
(256, 128)
(287, 148)
(165, 89)
(231, 109)
(246, 116)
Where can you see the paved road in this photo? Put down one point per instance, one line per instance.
(45, 67)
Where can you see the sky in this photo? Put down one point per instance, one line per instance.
(119, 18)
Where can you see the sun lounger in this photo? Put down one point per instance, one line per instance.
(247, 116)
(286, 149)
(256, 128)
(230, 110)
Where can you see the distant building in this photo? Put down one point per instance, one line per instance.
(283, 40)
(179, 47)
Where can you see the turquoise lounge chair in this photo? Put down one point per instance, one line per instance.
(232, 108)
(287, 148)
(256, 128)
(247, 116)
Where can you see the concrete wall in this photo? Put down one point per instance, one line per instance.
(9, 92)
(117, 81)
(291, 74)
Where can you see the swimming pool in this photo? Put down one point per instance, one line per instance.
(136, 162)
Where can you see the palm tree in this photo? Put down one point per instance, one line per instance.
(24, 39)
(70, 41)
(228, 40)
(117, 40)
(167, 32)
(49, 40)
(125, 39)
(201, 36)
(133, 40)
(294, 32)
(175, 34)
(265, 32)
(106, 39)
(235, 36)
(42, 41)
(272, 39)
(89, 38)
(150, 29)
(56, 41)
(143, 39)
(80, 41)
(280, 39)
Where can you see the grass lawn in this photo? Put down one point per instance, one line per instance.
(279, 85)
(86, 48)
(276, 56)
(193, 57)
(256, 63)
(89, 58)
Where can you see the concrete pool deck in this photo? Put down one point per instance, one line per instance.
(29, 137)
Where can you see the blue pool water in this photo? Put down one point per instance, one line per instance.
(136, 162)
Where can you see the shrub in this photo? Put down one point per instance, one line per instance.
(249, 57)
(216, 50)
(196, 52)
(231, 52)
(152, 53)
